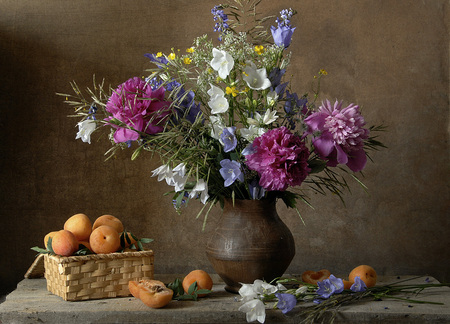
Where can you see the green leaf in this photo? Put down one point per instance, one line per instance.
(203, 291)
(140, 246)
(49, 245)
(146, 240)
(40, 250)
(192, 288)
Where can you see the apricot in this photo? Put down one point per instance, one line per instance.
(49, 235)
(109, 220)
(312, 277)
(203, 279)
(152, 293)
(104, 239)
(347, 284)
(130, 239)
(64, 243)
(80, 225)
(365, 273)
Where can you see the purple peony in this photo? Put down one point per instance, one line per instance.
(280, 158)
(141, 108)
(339, 135)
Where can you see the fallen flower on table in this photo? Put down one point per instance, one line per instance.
(328, 296)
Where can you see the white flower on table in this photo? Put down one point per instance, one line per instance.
(254, 310)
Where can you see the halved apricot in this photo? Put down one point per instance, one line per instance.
(152, 293)
(312, 277)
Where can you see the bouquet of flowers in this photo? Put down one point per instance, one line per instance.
(224, 121)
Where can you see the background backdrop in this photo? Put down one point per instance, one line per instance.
(390, 57)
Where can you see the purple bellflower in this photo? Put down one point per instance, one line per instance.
(286, 302)
(358, 285)
(230, 171)
(330, 286)
(283, 33)
(229, 139)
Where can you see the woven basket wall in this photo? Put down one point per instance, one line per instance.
(96, 276)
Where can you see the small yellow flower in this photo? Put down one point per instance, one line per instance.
(159, 54)
(323, 72)
(231, 91)
(172, 56)
(187, 60)
(259, 49)
(190, 50)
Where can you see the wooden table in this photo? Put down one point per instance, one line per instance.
(32, 303)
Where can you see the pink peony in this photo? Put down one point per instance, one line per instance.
(138, 106)
(280, 158)
(339, 135)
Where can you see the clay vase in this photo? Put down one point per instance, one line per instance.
(250, 242)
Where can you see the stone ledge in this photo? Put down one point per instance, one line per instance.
(31, 303)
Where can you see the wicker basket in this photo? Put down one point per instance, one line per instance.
(96, 276)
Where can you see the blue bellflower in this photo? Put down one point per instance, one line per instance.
(358, 285)
(229, 139)
(230, 171)
(330, 286)
(283, 33)
(286, 302)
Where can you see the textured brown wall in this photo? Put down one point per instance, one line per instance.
(390, 57)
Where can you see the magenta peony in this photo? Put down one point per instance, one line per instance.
(339, 135)
(280, 158)
(142, 109)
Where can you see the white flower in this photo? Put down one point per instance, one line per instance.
(301, 290)
(218, 103)
(215, 91)
(264, 288)
(202, 188)
(222, 62)
(269, 117)
(85, 129)
(179, 177)
(272, 98)
(247, 292)
(256, 78)
(254, 310)
(217, 126)
(164, 172)
(252, 132)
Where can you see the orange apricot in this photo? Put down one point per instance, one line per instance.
(104, 239)
(347, 284)
(128, 242)
(109, 220)
(80, 225)
(365, 273)
(312, 277)
(64, 243)
(152, 293)
(203, 279)
(49, 235)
